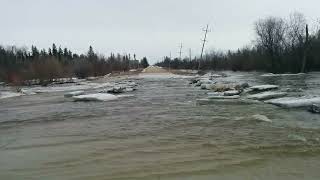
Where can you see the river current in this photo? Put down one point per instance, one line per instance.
(162, 132)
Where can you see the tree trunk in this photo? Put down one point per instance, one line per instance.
(305, 52)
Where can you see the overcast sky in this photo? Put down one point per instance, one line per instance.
(151, 28)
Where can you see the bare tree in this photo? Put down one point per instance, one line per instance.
(271, 37)
(296, 30)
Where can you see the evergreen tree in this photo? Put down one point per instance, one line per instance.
(65, 53)
(91, 54)
(54, 50)
(144, 62)
(35, 52)
(50, 52)
(60, 53)
(43, 53)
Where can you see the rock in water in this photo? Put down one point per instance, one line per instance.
(315, 108)
(116, 90)
(241, 87)
(222, 87)
(267, 95)
(95, 97)
(207, 86)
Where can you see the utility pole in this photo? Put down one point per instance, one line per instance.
(203, 44)
(180, 52)
(190, 54)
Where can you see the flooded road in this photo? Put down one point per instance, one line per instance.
(160, 133)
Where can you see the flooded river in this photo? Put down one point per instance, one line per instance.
(160, 133)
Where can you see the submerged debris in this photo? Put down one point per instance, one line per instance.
(315, 108)
(115, 90)
(121, 88)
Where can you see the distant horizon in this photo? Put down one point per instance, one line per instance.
(145, 28)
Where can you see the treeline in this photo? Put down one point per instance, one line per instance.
(20, 64)
(281, 45)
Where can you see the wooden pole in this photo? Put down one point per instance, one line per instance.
(203, 44)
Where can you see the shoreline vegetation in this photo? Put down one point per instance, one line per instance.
(18, 66)
(281, 45)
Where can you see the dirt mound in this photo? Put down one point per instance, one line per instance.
(154, 69)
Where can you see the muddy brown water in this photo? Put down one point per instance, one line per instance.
(160, 133)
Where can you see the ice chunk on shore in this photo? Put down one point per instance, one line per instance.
(129, 89)
(231, 93)
(267, 95)
(27, 92)
(8, 94)
(226, 101)
(294, 102)
(96, 97)
(264, 87)
(81, 86)
(74, 93)
(277, 75)
(215, 93)
(224, 97)
(269, 75)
